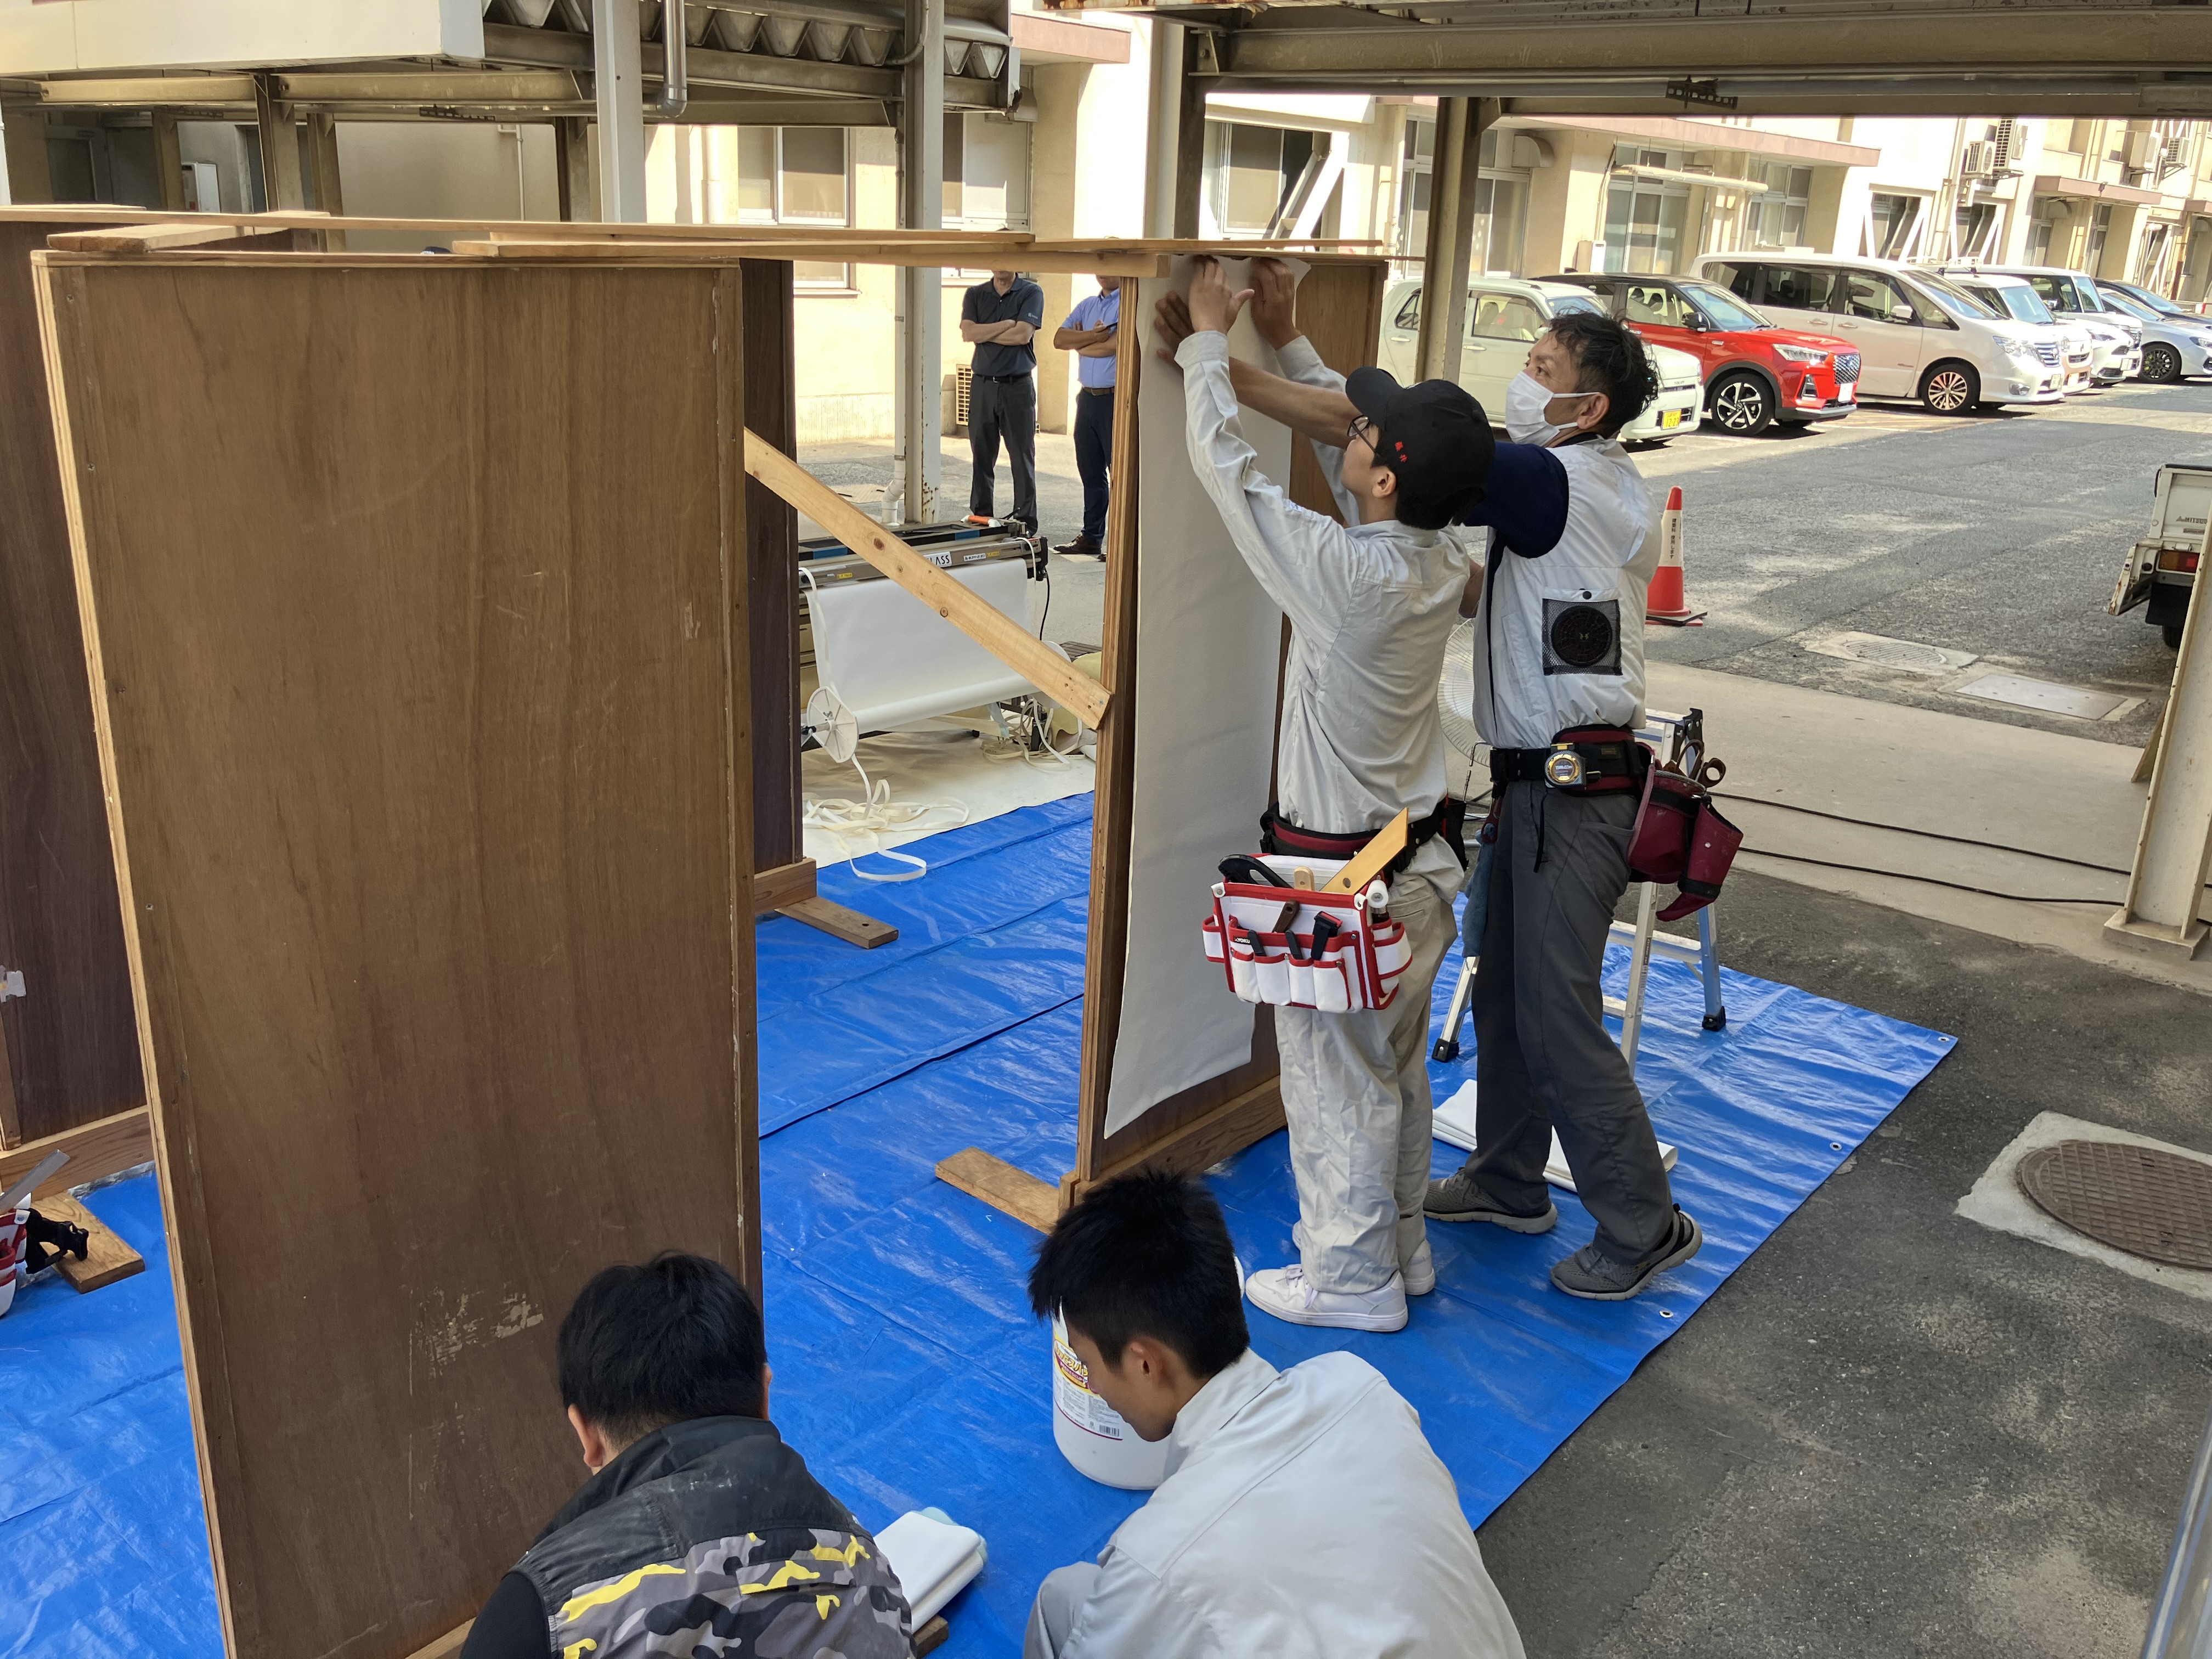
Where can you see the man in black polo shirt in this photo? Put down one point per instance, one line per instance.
(1000, 319)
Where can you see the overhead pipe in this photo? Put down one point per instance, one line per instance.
(675, 62)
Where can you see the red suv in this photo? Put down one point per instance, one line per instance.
(1756, 373)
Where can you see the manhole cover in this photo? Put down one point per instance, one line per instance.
(1893, 654)
(2148, 1203)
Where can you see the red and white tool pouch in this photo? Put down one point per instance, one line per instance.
(1268, 957)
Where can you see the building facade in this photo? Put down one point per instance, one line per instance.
(2124, 199)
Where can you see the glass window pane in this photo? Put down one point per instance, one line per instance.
(1800, 181)
(814, 175)
(756, 175)
(1503, 317)
(1508, 224)
(804, 274)
(1801, 287)
(1619, 201)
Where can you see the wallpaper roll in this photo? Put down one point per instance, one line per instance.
(893, 660)
(1208, 649)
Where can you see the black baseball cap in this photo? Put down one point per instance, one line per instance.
(1433, 436)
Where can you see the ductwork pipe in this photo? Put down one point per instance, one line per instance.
(675, 62)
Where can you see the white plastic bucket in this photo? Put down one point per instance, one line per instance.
(1090, 1434)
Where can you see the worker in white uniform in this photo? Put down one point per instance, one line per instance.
(1559, 691)
(1371, 603)
(1304, 1514)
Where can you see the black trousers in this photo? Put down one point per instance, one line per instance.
(1003, 409)
(1543, 1060)
(1094, 451)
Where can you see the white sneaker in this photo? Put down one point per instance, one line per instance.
(1284, 1292)
(1420, 1273)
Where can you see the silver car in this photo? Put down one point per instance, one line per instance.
(2177, 343)
(2073, 295)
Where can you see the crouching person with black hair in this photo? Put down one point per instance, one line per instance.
(700, 1532)
(1303, 1515)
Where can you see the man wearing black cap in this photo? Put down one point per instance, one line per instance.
(1371, 602)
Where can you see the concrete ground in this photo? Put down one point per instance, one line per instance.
(1894, 1431)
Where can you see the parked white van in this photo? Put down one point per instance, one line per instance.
(1503, 317)
(2073, 295)
(2013, 297)
(1915, 338)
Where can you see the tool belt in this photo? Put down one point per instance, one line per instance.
(1583, 760)
(1678, 839)
(1279, 836)
(1300, 947)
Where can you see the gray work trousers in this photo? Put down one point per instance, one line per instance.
(1543, 1059)
(1059, 1602)
(1355, 1098)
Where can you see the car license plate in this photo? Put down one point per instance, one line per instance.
(1847, 391)
(1669, 419)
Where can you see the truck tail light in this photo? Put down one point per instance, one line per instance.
(2173, 559)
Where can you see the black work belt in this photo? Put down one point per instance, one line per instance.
(1097, 391)
(1283, 839)
(1588, 760)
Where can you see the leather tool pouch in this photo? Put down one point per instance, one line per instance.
(1680, 840)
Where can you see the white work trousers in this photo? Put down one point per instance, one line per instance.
(1356, 1097)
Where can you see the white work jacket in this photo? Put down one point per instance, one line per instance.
(1370, 607)
(1303, 1517)
(1559, 642)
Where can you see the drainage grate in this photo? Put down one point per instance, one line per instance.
(2148, 1203)
(2045, 694)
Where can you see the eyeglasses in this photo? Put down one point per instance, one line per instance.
(1362, 428)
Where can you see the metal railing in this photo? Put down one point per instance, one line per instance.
(2178, 1624)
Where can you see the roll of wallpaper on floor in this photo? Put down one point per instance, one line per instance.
(1090, 1434)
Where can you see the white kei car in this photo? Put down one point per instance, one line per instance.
(1503, 317)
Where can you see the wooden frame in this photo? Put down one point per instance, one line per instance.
(436, 906)
(1340, 309)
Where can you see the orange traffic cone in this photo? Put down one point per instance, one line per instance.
(1664, 600)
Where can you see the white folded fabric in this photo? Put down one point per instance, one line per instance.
(1454, 1126)
(933, 1557)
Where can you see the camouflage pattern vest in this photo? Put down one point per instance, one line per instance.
(709, 1540)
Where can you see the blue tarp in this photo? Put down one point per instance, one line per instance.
(908, 1368)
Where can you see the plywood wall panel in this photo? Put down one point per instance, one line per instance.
(418, 599)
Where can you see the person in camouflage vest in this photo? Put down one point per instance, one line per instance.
(700, 1534)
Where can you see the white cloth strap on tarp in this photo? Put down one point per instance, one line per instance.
(933, 1557)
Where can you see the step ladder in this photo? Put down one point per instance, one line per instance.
(1686, 732)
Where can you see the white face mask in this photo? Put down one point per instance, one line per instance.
(1526, 401)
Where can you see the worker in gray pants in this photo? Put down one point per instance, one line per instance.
(1559, 691)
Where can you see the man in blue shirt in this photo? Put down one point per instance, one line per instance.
(1090, 332)
(1000, 319)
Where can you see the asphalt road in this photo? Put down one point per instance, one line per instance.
(1998, 535)
(1894, 1431)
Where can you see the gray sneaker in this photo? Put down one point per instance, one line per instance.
(1594, 1276)
(1457, 1197)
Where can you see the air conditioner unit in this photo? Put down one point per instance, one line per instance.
(2142, 150)
(1979, 161)
(2002, 137)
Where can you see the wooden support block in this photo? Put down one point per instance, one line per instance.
(446, 1646)
(106, 1258)
(96, 1151)
(1000, 1185)
(836, 920)
(785, 886)
(931, 1637)
(1008, 640)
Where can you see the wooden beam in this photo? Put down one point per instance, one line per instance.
(1088, 261)
(168, 160)
(96, 1151)
(107, 1257)
(1009, 641)
(1199, 1144)
(323, 161)
(446, 1646)
(146, 238)
(281, 185)
(785, 884)
(841, 923)
(1000, 1185)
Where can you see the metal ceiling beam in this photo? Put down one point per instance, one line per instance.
(504, 42)
(1326, 48)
